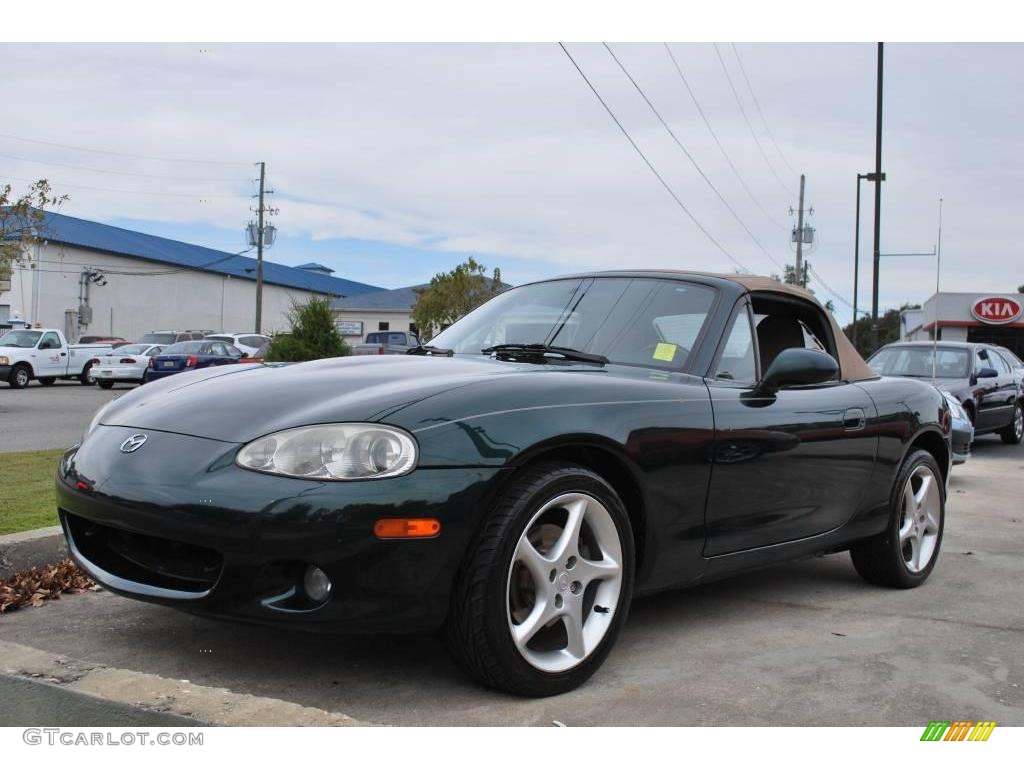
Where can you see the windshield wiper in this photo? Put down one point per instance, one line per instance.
(429, 349)
(539, 350)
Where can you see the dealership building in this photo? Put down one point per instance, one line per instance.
(980, 317)
(88, 278)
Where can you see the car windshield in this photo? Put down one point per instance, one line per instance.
(189, 348)
(158, 338)
(950, 363)
(22, 339)
(631, 321)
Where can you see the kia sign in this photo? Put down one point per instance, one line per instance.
(996, 310)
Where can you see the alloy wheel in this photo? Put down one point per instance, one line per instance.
(564, 582)
(21, 375)
(920, 516)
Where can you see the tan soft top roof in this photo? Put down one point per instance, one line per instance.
(851, 365)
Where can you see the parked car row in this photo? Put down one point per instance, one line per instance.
(983, 384)
(43, 354)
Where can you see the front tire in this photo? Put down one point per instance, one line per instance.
(546, 587)
(86, 379)
(20, 376)
(1013, 432)
(905, 554)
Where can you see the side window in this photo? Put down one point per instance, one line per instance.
(738, 362)
(373, 338)
(397, 338)
(49, 341)
(232, 350)
(997, 362)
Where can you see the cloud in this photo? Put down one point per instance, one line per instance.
(501, 150)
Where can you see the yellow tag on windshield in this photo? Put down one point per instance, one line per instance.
(666, 352)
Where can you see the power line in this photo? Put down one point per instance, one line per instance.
(831, 290)
(746, 119)
(117, 173)
(650, 165)
(689, 156)
(194, 196)
(721, 147)
(757, 104)
(122, 154)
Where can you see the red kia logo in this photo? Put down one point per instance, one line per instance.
(996, 310)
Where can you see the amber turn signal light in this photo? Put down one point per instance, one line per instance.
(406, 528)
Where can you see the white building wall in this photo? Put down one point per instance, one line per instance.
(397, 321)
(131, 305)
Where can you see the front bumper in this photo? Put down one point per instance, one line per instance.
(962, 437)
(178, 523)
(5, 372)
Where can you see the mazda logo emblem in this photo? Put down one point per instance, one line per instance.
(133, 443)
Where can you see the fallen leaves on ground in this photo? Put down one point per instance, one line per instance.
(37, 585)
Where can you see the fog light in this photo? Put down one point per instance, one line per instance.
(316, 584)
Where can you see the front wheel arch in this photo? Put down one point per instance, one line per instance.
(606, 462)
(932, 441)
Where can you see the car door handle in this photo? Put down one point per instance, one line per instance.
(63, 354)
(854, 419)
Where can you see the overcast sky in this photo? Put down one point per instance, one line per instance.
(392, 162)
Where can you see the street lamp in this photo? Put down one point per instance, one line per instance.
(875, 177)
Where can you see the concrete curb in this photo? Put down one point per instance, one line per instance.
(31, 549)
(215, 706)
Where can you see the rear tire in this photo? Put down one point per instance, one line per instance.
(48, 381)
(1013, 432)
(106, 384)
(86, 378)
(19, 376)
(538, 618)
(904, 555)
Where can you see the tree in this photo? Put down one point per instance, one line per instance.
(1020, 289)
(22, 221)
(888, 329)
(451, 295)
(312, 337)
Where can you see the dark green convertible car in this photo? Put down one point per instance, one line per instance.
(571, 444)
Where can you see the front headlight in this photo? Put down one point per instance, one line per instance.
(954, 405)
(332, 452)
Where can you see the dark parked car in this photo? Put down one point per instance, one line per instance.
(977, 375)
(188, 356)
(568, 445)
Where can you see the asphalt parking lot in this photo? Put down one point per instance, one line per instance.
(38, 417)
(808, 643)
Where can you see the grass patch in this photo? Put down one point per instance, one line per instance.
(27, 496)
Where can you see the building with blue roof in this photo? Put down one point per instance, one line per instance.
(91, 278)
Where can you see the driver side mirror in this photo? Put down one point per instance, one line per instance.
(987, 373)
(795, 366)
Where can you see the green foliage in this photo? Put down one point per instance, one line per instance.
(1020, 288)
(312, 337)
(888, 330)
(21, 220)
(451, 295)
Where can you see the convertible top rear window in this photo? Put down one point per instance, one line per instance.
(631, 321)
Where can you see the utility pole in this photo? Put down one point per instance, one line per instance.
(800, 236)
(856, 259)
(259, 252)
(879, 178)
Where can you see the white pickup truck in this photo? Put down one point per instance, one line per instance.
(44, 354)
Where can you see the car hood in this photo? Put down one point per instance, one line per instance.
(238, 403)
